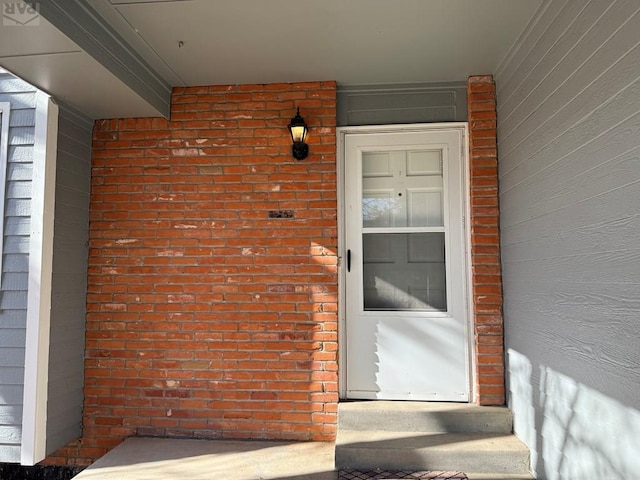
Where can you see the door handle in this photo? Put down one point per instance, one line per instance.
(348, 260)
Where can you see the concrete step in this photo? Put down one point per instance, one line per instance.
(498, 476)
(489, 453)
(429, 417)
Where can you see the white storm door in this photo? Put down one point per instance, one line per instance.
(406, 315)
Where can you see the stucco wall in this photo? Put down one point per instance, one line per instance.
(569, 165)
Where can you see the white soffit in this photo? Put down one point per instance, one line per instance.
(42, 55)
(36, 39)
(353, 42)
(81, 82)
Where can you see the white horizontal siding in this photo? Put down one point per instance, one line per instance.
(13, 289)
(569, 163)
(42, 324)
(69, 285)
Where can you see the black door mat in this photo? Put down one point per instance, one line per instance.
(12, 471)
(348, 474)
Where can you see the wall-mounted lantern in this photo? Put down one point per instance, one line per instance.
(298, 130)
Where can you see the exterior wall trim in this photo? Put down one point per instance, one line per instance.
(40, 271)
(5, 109)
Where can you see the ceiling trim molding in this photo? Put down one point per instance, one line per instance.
(82, 24)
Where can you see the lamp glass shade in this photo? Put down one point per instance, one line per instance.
(298, 133)
(298, 128)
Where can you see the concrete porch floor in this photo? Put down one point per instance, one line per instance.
(167, 459)
(164, 459)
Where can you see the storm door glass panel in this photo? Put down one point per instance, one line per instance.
(404, 271)
(403, 232)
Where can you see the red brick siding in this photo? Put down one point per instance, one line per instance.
(206, 317)
(485, 242)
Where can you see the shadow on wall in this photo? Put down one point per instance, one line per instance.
(573, 431)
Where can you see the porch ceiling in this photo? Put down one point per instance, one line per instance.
(197, 42)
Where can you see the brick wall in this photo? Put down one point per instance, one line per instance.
(485, 242)
(206, 316)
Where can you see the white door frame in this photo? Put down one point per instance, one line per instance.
(341, 132)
